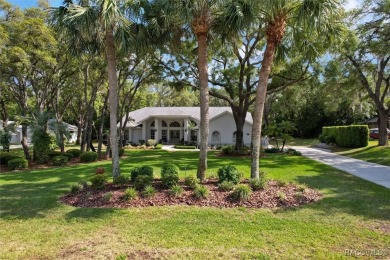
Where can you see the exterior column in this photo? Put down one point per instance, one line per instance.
(144, 131)
(156, 132)
(186, 130)
(130, 135)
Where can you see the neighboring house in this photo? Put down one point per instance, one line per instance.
(17, 134)
(174, 125)
(373, 123)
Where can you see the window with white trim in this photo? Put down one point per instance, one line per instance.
(152, 134)
(216, 137)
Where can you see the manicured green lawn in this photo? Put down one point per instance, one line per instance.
(354, 214)
(371, 153)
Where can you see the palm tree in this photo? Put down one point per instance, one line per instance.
(88, 25)
(279, 16)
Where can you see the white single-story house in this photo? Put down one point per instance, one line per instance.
(174, 125)
(16, 136)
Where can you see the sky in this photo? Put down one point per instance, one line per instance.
(350, 4)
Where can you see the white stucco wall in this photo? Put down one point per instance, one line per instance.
(136, 135)
(226, 126)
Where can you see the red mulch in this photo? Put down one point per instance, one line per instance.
(268, 198)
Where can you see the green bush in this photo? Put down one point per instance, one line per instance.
(151, 142)
(53, 154)
(231, 150)
(75, 188)
(226, 186)
(191, 182)
(98, 181)
(107, 196)
(5, 157)
(176, 191)
(294, 152)
(68, 155)
(120, 180)
(201, 192)
(353, 136)
(242, 192)
(228, 173)
(121, 152)
(130, 194)
(17, 163)
(5, 139)
(271, 150)
(88, 157)
(259, 184)
(142, 170)
(149, 192)
(321, 138)
(41, 145)
(169, 175)
(60, 160)
(142, 181)
(84, 184)
(228, 150)
(184, 147)
(75, 152)
(159, 146)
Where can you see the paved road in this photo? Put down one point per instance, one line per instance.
(376, 173)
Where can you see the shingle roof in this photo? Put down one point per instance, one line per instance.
(194, 112)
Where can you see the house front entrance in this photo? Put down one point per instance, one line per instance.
(174, 136)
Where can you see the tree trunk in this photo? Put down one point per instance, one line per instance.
(383, 135)
(79, 131)
(113, 99)
(239, 118)
(24, 142)
(101, 126)
(204, 104)
(261, 95)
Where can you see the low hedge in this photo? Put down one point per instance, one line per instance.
(169, 175)
(75, 152)
(88, 157)
(17, 163)
(353, 136)
(5, 158)
(141, 170)
(184, 147)
(60, 160)
(159, 146)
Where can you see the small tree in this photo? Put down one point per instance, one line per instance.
(5, 139)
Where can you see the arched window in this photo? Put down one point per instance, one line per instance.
(163, 124)
(216, 137)
(152, 124)
(234, 136)
(174, 124)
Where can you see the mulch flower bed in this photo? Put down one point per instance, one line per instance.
(275, 195)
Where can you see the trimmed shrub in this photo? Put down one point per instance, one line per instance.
(5, 157)
(228, 150)
(88, 157)
(226, 186)
(142, 181)
(68, 155)
(228, 173)
(176, 191)
(75, 152)
(191, 182)
(242, 192)
(121, 152)
(42, 159)
(159, 146)
(271, 150)
(53, 154)
(184, 147)
(201, 192)
(17, 163)
(149, 192)
(98, 181)
(142, 170)
(353, 136)
(120, 180)
(169, 175)
(294, 152)
(130, 194)
(60, 160)
(151, 142)
(321, 138)
(258, 184)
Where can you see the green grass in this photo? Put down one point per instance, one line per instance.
(354, 214)
(371, 153)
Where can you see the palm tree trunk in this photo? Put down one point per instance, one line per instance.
(261, 95)
(113, 99)
(204, 104)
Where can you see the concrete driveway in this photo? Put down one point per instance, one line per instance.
(373, 172)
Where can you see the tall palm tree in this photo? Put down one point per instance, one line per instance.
(299, 16)
(90, 24)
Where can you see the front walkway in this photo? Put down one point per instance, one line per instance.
(171, 147)
(373, 172)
